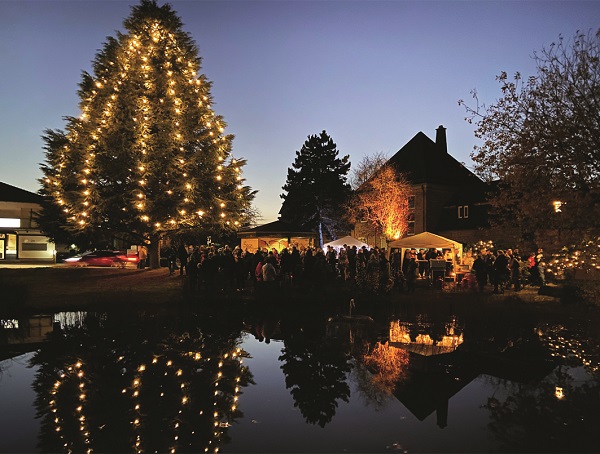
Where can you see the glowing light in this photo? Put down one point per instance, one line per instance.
(557, 204)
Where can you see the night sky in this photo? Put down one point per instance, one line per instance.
(370, 73)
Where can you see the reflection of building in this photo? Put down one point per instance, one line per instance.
(439, 367)
(18, 336)
(278, 235)
(20, 237)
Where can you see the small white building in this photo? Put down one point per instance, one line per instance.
(20, 237)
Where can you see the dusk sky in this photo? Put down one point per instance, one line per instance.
(371, 73)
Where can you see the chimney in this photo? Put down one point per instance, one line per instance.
(440, 139)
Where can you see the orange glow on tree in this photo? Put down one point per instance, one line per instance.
(388, 364)
(383, 201)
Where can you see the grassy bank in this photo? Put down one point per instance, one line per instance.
(60, 288)
(66, 288)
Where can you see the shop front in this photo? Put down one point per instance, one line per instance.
(26, 245)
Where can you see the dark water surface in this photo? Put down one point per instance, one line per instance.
(271, 379)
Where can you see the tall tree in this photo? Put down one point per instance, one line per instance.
(316, 186)
(541, 139)
(147, 156)
(366, 168)
(383, 202)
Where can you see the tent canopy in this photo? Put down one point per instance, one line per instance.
(348, 241)
(425, 240)
(428, 240)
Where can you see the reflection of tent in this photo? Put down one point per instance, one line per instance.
(427, 240)
(347, 240)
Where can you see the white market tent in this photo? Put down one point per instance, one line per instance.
(348, 241)
(427, 240)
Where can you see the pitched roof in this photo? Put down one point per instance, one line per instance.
(277, 227)
(10, 193)
(424, 161)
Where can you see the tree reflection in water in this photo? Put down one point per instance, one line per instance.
(125, 382)
(537, 418)
(170, 382)
(559, 413)
(315, 369)
(388, 364)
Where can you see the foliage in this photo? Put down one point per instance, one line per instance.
(388, 363)
(578, 266)
(366, 168)
(542, 139)
(316, 187)
(316, 370)
(383, 202)
(147, 156)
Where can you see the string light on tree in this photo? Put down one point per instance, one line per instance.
(140, 158)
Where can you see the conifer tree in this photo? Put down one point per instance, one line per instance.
(147, 156)
(316, 186)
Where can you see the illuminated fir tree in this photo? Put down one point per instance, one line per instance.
(147, 156)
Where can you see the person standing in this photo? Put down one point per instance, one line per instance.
(501, 272)
(515, 272)
(412, 270)
(481, 272)
(142, 254)
(539, 263)
(172, 259)
(182, 254)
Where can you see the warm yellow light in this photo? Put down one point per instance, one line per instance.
(557, 204)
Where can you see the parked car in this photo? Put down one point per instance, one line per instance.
(102, 258)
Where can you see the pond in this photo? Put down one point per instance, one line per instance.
(270, 379)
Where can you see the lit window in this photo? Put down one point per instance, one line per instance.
(10, 222)
(557, 204)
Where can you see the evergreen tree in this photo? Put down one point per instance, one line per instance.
(147, 156)
(316, 186)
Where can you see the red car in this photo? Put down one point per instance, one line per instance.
(102, 258)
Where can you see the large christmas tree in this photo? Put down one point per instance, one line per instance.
(147, 156)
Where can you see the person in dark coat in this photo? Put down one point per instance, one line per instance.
(172, 259)
(481, 272)
(412, 270)
(501, 271)
(182, 254)
(515, 273)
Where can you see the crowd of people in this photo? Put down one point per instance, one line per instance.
(234, 269)
(507, 269)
